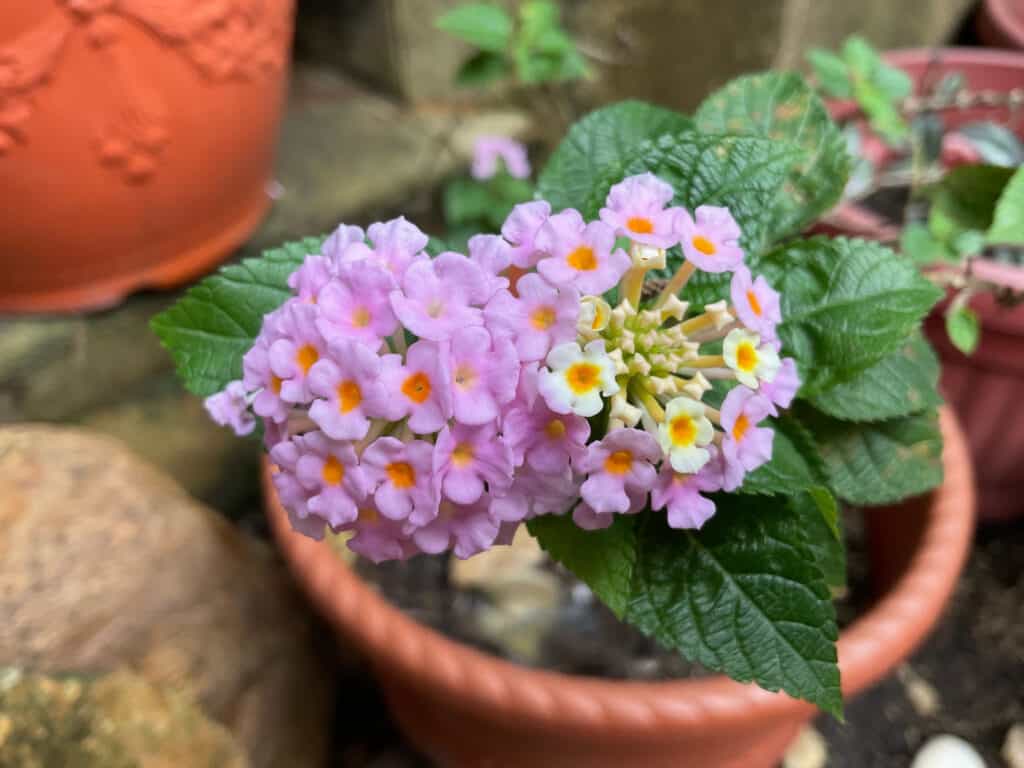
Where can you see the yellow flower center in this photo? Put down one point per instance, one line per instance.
(582, 259)
(618, 463)
(746, 357)
(333, 472)
(755, 305)
(542, 318)
(683, 430)
(275, 384)
(582, 377)
(462, 456)
(306, 356)
(417, 387)
(739, 429)
(704, 245)
(465, 376)
(435, 308)
(640, 225)
(349, 396)
(555, 429)
(401, 475)
(360, 318)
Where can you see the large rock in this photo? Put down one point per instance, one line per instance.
(118, 720)
(106, 562)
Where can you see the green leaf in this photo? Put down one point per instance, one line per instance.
(820, 513)
(885, 119)
(968, 195)
(602, 139)
(860, 56)
(878, 463)
(893, 82)
(846, 304)
(789, 470)
(486, 26)
(918, 245)
(482, 69)
(1008, 222)
(970, 242)
(963, 328)
(214, 324)
(832, 73)
(901, 383)
(782, 107)
(465, 202)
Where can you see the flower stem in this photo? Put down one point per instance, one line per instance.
(647, 400)
(707, 361)
(676, 284)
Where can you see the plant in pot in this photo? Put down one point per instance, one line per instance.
(673, 398)
(940, 172)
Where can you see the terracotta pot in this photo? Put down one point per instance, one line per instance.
(136, 141)
(982, 69)
(466, 708)
(984, 390)
(1001, 23)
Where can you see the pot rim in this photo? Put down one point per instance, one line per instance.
(868, 649)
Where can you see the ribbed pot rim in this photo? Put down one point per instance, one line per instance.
(424, 658)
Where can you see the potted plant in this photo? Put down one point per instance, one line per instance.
(153, 91)
(937, 142)
(673, 397)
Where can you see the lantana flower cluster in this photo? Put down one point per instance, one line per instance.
(432, 404)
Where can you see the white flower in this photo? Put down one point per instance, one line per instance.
(684, 434)
(575, 378)
(752, 361)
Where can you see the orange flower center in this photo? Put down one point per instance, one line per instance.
(684, 431)
(349, 396)
(739, 429)
(417, 387)
(542, 318)
(401, 475)
(755, 305)
(465, 376)
(462, 456)
(333, 472)
(306, 356)
(275, 384)
(746, 357)
(582, 377)
(555, 429)
(360, 317)
(704, 245)
(582, 259)
(640, 225)
(618, 463)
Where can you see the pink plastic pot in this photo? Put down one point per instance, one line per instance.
(1001, 23)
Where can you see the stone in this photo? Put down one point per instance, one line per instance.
(809, 750)
(922, 694)
(1013, 746)
(105, 562)
(947, 751)
(117, 720)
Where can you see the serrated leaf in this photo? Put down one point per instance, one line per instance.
(968, 195)
(782, 107)
(213, 325)
(878, 463)
(1008, 222)
(600, 140)
(963, 328)
(846, 304)
(831, 72)
(789, 471)
(486, 26)
(820, 514)
(902, 383)
(481, 69)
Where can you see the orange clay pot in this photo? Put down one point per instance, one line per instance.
(466, 708)
(136, 141)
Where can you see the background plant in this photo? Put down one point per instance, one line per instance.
(749, 593)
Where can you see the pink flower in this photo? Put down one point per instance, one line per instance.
(712, 241)
(467, 457)
(436, 296)
(623, 460)
(330, 472)
(756, 304)
(681, 494)
(489, 149)
(257, 376)
(309, 279)
(378, 538)
(229, 408)
(290, 492)
(400, 477)
(492, 255)
(746, 446)
(546, 441)
(420, 389)
(484, 373)
(397, 244)
(534, 493)
(295, 353)
(637, 209)
(356, 305)
(589, 519)
(520, 230)
(581, 255)
(336, 247)
(780, 391)
(467, 529)
(348, 394)
(540, 317)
